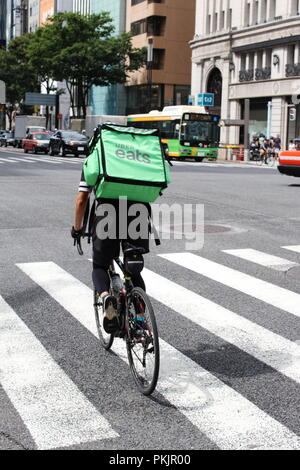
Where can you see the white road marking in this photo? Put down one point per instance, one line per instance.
(265, 291)
(295, 249)
(225, 416)
(19, 159)
(263, 259)
(277, 352)
(43, 160)
(4, 160)
(54, 410)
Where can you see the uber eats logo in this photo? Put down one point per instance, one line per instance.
(131, 153)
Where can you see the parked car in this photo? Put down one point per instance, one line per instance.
(289, 160)
(36, 142)
(64, 142)
(6, 139)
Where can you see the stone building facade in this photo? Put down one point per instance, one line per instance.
(250, 49)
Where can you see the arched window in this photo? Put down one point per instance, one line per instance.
(214, 85)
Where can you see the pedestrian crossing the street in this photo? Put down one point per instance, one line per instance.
(58, 413)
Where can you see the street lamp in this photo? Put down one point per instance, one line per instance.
(150, 68)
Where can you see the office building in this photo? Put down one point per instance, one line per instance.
(165, 28)
(249, 49)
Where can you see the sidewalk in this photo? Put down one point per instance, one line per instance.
(250, 163)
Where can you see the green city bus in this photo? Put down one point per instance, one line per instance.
(188, 131)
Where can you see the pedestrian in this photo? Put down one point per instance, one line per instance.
(277, 145)
(292, 146)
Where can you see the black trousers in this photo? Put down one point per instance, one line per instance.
(107, 249)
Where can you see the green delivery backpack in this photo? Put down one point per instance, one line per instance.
(125, 161)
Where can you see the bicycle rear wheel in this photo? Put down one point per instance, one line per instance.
(142, 342)
(106, 339)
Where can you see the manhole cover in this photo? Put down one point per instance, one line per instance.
(294, 273)
(198, 228)
(216, 229)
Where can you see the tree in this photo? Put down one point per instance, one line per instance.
(18, 75)
(83, 51)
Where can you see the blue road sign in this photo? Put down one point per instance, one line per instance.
(206, 99)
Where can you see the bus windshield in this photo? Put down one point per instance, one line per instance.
(199, 132)
(169, 129)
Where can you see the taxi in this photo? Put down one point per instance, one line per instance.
(36, 142)
(289, 160)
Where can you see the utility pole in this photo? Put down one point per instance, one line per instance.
(246, 127)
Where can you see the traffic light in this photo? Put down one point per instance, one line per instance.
(293, 114)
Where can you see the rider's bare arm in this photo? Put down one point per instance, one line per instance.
(80, 206)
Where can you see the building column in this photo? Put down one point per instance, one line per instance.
(225, 109)
(278, 121)
(197, 79)
(235, 113)
(297, 53)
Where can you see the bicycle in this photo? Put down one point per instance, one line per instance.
(266, 158)
(141, 339)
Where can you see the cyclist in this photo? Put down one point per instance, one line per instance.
(266, 150)
(106, 249)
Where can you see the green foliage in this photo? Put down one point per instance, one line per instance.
(17, 73)
(83, 51)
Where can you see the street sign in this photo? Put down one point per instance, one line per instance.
(191, 100)
(2, 92)
(206, 99)
(43, 99)
(293, 114)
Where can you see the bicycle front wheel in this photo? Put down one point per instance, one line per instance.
(142, 342)
(270, 161)
(106, 339)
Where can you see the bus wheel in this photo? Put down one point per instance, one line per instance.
(199, 159)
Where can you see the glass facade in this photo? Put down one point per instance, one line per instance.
(109, 100)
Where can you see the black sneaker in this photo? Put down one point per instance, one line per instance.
(110, 314)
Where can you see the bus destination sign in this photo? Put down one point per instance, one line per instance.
(200, 117)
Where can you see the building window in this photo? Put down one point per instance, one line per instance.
(208, 30)
(181, 94)
(222, 20)
(295, 7)
(247, 14)
(263, 11)
(156, 25)
(139, 27)
(135, 2)
(158, 59)
(272, 9)
(255, 12)
(229, 20)
(144, 98)
(153, 26)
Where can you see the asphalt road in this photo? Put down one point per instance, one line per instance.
(228, 321)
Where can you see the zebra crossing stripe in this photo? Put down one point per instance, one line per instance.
(4, 160)
(43, 160)
(262, 290)
(295, 249)
(18, 159)
(55, 412)
(67, 160)
(232, 328)
(263, 259)
(225, 416)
